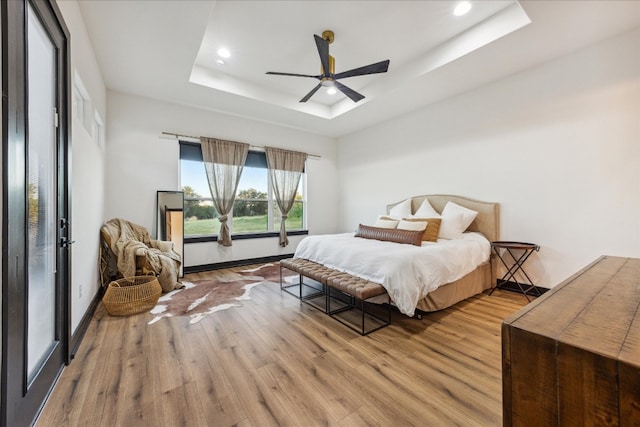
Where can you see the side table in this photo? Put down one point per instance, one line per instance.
(526, 286)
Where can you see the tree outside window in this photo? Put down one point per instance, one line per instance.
(254, 209)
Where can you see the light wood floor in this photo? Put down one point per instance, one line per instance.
(277, 361)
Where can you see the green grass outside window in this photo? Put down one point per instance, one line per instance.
(243, 224)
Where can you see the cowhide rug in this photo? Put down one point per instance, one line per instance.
(199, 298)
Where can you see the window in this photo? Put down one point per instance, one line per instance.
(98, 136)
(254, 209)
(200, 217)
(78, 104)
(251, 207)
(82, 107)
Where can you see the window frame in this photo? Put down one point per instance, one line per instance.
(271, 204)
(81, 104)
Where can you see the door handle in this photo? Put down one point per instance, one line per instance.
(65, 243)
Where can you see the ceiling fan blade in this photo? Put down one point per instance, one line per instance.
(294, 75)
(355, 96)
(378, 67)
(323, 51)
(310, 94)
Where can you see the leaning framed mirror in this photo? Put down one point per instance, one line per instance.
(170, 220)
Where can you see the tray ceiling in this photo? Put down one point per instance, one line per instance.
(166, 50)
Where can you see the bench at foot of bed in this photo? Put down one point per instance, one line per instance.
(338, 294)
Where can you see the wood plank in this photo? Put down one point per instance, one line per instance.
(573, 356)
(322, 382)
(629, 359)
(593, 328)
(277, 361)
(507, 387)
(259, 404)
(477, 395)
(630, 351)
(533, 380)
(583, 286)
(629, 398)
(215, 393)
(587, 388)
(296, 395)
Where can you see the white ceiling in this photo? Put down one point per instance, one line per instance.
(166, 50)
(436, 37)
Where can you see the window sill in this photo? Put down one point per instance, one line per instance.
(245, 236)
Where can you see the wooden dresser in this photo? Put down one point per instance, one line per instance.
(572, 357)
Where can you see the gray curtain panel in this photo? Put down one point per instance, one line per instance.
(223, 162)
(285, 170)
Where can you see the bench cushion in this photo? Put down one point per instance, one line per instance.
(356, 286)
(310, 269)
(352, 285)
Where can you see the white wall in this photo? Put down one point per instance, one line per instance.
(142, 162)
(87, 170)
(558, 146)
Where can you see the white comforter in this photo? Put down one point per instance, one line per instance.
(407, 272)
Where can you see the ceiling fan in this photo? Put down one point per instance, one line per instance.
(328, 77)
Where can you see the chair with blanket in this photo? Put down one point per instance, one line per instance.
(127, 250)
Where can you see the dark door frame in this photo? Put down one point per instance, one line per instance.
(16, 409)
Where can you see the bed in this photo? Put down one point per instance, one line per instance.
(475, 280)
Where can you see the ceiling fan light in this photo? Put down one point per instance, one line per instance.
(332, 91)
(330, 79)
(223, 52)
(326, 82)
(462, 8)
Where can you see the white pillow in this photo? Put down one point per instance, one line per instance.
(386, 223)
(451, 226)
(401, 210)
(412, 225)
(468, 215)
(426, 211)
(455, 220)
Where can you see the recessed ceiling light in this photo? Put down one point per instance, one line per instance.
(462, 8)
(332, 91)
(224, 52)
(220, 62)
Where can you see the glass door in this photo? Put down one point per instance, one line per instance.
(35, 211)
(42, 230)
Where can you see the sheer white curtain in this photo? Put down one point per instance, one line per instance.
(285, 170)
(223, 162)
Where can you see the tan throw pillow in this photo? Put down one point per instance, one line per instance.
(390, 235)
(433, 227)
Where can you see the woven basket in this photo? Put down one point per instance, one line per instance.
(131, 295)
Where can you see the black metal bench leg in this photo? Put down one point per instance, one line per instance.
(362, 307)
(349, 303)
(327, 298)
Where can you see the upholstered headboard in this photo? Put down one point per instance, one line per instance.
(487, 222)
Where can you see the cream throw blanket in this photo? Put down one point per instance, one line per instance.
(128, 240)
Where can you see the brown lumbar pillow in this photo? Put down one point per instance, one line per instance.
(433, 228)
(390, 235)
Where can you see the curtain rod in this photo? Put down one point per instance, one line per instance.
(179, 135)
